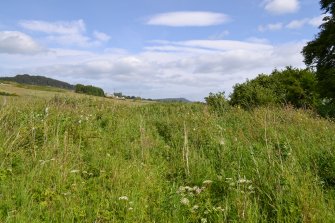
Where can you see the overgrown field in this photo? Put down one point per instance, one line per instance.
(66, 159)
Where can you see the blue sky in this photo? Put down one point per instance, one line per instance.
(155, 48)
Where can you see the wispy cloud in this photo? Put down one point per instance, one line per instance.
(294, 24)
(188, 18)
(69, 33)
(13, 42)
(281, 6)
(220, 35)
(60, 27)
(297, 24)
(270, 27)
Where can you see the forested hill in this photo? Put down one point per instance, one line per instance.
(38, 80)
(173, 100)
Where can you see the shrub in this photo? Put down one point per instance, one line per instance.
(290, 86)
(217, 102)
(90, 90)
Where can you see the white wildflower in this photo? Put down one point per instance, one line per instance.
(187, 188)
(199, 190)
(203, 220)
(181, 190)
(194, 208)
(207, 182)
(218, 209)
(130, 209)
(185, 201)
(123, 198)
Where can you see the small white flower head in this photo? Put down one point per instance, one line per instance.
(189, 189)
(198, 190)
(123, 198)
(130, 209)
(185, 201)
(219, 209)
(207, 182)
(222, 142)
(203, 220)
(194, 208)
(181, 190)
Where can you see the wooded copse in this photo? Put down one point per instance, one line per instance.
(90, 90)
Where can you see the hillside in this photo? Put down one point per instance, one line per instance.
(38, 80)
(173, 100)
(88, 159)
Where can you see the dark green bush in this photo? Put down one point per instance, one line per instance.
(217, 102)
(90, 90)
(296, 87)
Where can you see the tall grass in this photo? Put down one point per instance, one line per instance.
(86, 160)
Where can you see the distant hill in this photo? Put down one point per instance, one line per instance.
(38, 80)
(173, 100)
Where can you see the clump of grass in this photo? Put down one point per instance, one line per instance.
(3, 93)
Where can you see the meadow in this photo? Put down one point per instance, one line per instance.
(65, 157)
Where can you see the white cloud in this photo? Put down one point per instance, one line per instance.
(61, 27)
(189, 69)
(13, 42)
(100, 36)
(188, 18)
(270, 27)
(281, 6)
(316, 21)
(67, 33)
(297, 24)
(294, 24)
(220, 35)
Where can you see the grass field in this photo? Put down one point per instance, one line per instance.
(71, 158)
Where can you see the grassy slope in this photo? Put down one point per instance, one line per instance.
(69, 158)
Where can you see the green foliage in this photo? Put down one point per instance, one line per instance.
(217, 102)
(290, 86)
(90, 90)
(320, 52)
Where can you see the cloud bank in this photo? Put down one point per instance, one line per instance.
(188, 69)
(13, 42)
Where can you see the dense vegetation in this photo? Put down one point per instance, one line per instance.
(90, 90)
(38, 80)
(296, 87)
(96, 160)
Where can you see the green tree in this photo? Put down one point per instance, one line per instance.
(320, 52)
(289, 86)
(89, 89)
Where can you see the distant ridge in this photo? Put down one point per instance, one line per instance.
(173, 100)
(38, 80)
